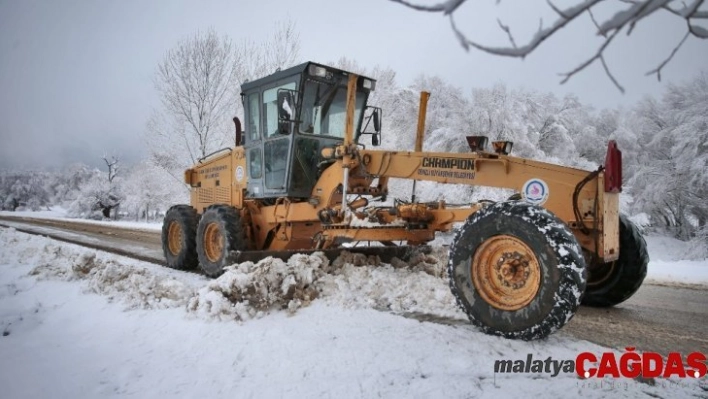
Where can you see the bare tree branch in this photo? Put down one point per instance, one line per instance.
(540, 37)
(113, 166)
(612, 78)
(598, 55)
(594, 21)
(657, 70)
(556, 9)
(642, 9)
(447, 7)
(637, 10)
(506, 29)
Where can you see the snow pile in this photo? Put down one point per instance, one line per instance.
(417, 287)
(249, 290)
(134, 284)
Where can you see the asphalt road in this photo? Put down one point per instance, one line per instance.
(657, 318)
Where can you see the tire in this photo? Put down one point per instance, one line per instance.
(612, 283)
(500, 298)
(179, 232)
(220, 231)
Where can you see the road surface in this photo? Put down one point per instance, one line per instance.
(657, 318)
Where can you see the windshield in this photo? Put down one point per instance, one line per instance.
(324, 109)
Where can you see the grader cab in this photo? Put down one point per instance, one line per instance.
(303, 178)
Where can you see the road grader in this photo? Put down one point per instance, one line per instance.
(301, 178)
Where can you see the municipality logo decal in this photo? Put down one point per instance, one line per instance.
(535, 191)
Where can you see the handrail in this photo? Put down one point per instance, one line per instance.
(215, 152)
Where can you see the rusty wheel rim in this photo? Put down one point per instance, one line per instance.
(506, 273)
(213, 242)
(174, 238)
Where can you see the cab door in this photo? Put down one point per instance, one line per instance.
(253, 144)
(276, 143)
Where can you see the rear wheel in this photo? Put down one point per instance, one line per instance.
(179, 231)
(220, 231)
(614, 282)
(516, 270)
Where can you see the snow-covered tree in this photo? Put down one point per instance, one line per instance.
(199, 82)
(96, 197)
(150, 191)
(671, 178)
(99, 193)
(68, 182)
(24, 189)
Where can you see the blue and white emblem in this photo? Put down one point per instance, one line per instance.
(535, 191)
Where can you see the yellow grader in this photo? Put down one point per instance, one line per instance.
(301, 179)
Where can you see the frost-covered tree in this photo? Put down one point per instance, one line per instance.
(150, 191)
(96, 197)
(671, 178)
(602, 127)
(99, 193)
(24, 189)
(68, 182)
(198, 83)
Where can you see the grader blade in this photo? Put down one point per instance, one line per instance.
(385, 254)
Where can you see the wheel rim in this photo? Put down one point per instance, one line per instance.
(174, 238)
(506, 273)
(213, 242)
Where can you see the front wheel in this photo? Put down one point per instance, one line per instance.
(516, 270)
(220, 231)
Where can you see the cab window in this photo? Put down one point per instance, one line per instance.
(254, 165)
(270, 108)
(254, 117)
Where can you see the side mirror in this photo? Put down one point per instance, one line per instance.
(286, 105)
(375, 139)
(377, 121)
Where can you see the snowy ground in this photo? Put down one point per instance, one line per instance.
(668, 266)
(81, 323)
(59, 213)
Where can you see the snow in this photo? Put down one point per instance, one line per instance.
(54, 212)
(59, 213)
(82, 323)
(668, 265)
(666, 248)
(689, 272)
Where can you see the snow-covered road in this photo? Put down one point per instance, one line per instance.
(81, 323)
(676, 316)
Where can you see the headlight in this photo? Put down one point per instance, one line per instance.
(318, 71)
(367, 84)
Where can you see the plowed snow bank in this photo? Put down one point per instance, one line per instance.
(133, 283)
(245, 291)
(249, 290)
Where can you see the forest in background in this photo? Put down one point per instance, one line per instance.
(664, 141)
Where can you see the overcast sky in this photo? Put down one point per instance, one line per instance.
(76, 76)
